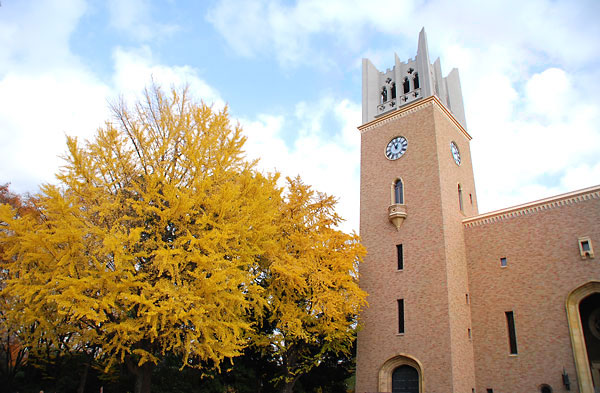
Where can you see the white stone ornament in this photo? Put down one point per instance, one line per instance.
(455, 153)
(396, 148)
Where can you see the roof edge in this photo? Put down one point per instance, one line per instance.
(530, 207)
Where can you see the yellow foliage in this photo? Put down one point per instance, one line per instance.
(313, 281)
(151, 241)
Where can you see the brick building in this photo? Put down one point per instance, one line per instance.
(502, 302)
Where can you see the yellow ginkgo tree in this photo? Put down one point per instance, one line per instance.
(312, 285)
(151, 241)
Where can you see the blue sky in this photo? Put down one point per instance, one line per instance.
(290, 73)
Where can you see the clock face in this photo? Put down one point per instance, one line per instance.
(396, 148)
(455, 153)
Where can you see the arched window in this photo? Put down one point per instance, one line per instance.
(545, 389)
(406, 86)
(460, 201)
(405, 379)
(398, 192)
(416, 81)
(393, 90)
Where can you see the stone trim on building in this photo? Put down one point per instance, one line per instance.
(412, 108)
(386, 370)
(584, 375)
(534, 207)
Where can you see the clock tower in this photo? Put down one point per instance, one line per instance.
(416, 188)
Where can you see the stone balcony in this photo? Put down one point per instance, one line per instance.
(397, 214)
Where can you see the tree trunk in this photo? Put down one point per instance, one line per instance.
(143, 378)
(83, 378)
(288, 387)
(143, 375)
(290, 364)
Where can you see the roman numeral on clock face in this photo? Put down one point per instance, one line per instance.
(396, 148)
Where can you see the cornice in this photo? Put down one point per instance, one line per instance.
(412, 108)
(534, 207)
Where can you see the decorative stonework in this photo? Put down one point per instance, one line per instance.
(584, 375)
(397, 214)
(408, 110)
(395, 115)
(386, 370)
(386, 106)
(534, 207)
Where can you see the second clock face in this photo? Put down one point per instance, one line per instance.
(396, 148)
(455, 153)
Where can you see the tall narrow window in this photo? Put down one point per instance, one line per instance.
(512, 336)
(393, 90)
(406, 86)
(383, 94)
(400, 316)
(460, 201)
(400, 256)
(398, 192)
(416, 81)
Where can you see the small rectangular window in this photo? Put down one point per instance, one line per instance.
(503, 262)
(585, 247)
(400, 256)
(512, 336)
(467, 299)
(490, 390)
(469, 333)
(401, 316)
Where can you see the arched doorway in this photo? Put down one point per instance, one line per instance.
(405, 379)
(589, 312)
(401, 374)
(583, 314)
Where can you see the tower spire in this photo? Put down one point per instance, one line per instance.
(410, 81)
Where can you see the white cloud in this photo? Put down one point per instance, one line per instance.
(135, 69)
(45, 92)
(547, 93)
(328, 163)
(534, 145)
(37, 111)
(35, 35)
(556, 30)
(134, 18)
(264, 27)
(580, 176)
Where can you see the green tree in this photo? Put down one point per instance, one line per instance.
(151, 242)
